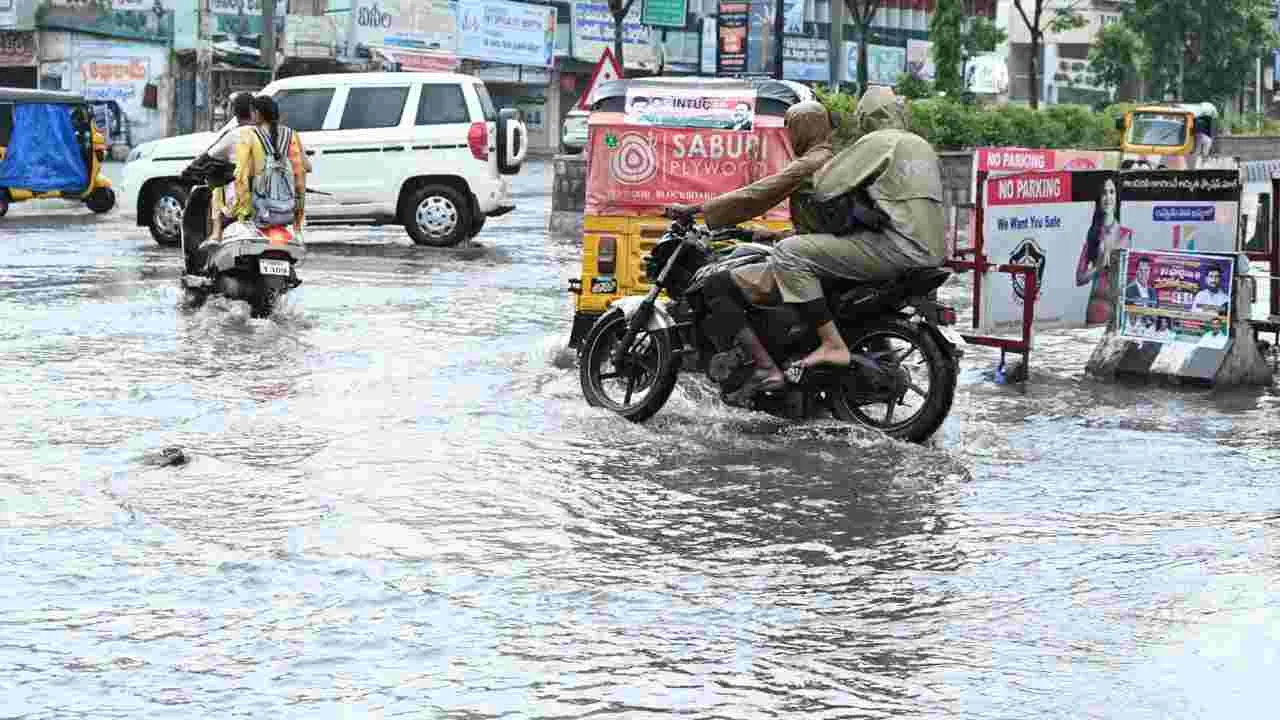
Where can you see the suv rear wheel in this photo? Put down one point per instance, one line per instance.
(166, 206)
(438, 215)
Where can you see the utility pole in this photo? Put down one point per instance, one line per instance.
(836, 43)
(777, 31)
(268, 41)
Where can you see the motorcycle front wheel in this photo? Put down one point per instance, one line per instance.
(643, 383)
(911, 400)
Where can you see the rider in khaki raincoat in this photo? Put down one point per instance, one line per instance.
(900, 172)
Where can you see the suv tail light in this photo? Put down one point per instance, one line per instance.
(478, 140)
(607, 256)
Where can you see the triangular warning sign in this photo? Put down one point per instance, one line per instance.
(606, 69)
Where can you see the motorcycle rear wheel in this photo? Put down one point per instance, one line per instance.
(650, 367)
(889, 334)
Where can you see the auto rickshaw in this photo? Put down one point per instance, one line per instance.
(1173, 136)
(654, 142)
(49, 148)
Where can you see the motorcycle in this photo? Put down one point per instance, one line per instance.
(639, 346)
(256, 265)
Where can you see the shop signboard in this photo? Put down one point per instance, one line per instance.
(665, 13)
(593, 32)
(884, 63)
(1176, 298)
(310, 37)
(117, 71)
(1067, 225)
(17, 48)
(508, 32)
(411, 24)
(731, 47)
(131, 19)
(806, 59)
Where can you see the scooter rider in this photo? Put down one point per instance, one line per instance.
(899, 176)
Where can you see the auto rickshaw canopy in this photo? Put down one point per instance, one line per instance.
(47, 137)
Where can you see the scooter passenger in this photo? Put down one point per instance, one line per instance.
(900, 174)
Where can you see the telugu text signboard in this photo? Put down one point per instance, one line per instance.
(508, 32)
(1181, 298)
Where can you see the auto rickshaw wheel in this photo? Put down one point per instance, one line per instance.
(165, 214)
(101, 200)
(4, 202)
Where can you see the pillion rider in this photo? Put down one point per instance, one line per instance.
(900, 174)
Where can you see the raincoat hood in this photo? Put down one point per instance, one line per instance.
(809, 125)
(880, 109)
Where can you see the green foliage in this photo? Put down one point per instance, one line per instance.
(1119, 55)
(842, 106)
(946, 32)
(913, 88)
(950, 124)
(1214, 44)
(983, 37)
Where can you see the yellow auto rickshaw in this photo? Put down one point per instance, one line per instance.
(49, 148)
(655, 142)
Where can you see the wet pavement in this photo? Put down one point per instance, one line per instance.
(397, 504)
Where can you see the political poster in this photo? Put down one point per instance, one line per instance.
(1182, 298)
(724, 109)
(1049, 221)
(1192, 210)
(635, 169)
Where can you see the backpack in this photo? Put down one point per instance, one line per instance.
(274, 196)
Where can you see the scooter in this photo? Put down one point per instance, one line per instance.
(256, 265)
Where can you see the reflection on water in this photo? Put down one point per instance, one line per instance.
(397, 503)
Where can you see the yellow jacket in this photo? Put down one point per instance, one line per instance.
(251, 161)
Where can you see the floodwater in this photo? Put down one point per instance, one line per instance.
(398, 504)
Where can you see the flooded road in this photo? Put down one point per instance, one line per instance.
(398, 504)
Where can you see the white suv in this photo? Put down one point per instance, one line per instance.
(424, 150)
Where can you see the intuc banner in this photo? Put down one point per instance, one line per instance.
(638, 170)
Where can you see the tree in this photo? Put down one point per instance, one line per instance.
(946, 30)
(1118, 56)
(1041, 20)
(863, 11)
(1200, 50)
(619, 10)
(983, 37)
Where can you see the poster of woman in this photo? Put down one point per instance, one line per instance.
(1104, 235)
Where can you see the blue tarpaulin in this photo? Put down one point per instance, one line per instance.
(43, 154)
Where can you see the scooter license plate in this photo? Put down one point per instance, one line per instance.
(274, 267)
